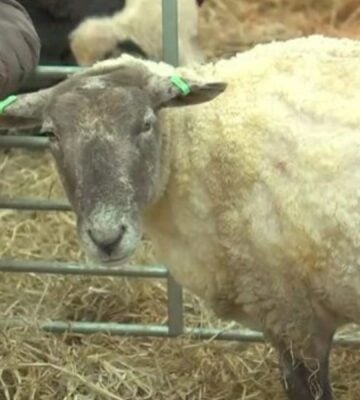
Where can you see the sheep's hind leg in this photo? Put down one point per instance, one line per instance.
(305, 379)
(305, 371)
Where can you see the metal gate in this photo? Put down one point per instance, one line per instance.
(175, 325)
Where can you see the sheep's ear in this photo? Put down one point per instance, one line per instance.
(23, 111)
(176, 91)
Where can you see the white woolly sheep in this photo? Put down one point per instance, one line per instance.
(252, 199)
(136, 30)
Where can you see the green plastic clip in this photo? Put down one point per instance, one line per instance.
(6, 102)
(181, 84)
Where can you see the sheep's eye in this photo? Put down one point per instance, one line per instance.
(53, 138)
(147, 126)
(148, 121)
(50, 135)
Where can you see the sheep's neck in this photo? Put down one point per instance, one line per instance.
(178, 222)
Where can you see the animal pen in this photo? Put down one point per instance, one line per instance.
(175, 325)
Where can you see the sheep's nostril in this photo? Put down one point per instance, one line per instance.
(107, 242)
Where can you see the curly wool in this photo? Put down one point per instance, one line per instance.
(261, 210)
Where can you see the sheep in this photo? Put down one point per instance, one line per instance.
(244, 172)
(136, 30)
(55, 19)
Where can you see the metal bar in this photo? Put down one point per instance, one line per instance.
(28, 142)
(46, 76)
(54, 72)
(132, 329)
(175, 307)
(112, 328)
(34, 204)
(170, 31)
(56, 267)
(348, 339)
(171, 56)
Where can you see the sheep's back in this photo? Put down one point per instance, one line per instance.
(272, 166)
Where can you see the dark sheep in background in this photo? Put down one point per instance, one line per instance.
(55, 19)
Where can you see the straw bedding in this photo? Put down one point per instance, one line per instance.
(36, 365)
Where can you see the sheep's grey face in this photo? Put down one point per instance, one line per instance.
(107, 151)
(106, 144)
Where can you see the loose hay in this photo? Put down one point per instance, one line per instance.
(36, 365)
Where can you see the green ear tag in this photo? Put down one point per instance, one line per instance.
(5, 103)
(181, 84)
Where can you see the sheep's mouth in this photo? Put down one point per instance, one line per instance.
(116, 262)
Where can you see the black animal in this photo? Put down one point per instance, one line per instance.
(55, 19)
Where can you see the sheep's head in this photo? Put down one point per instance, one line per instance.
(96, 39)
(105, 138)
